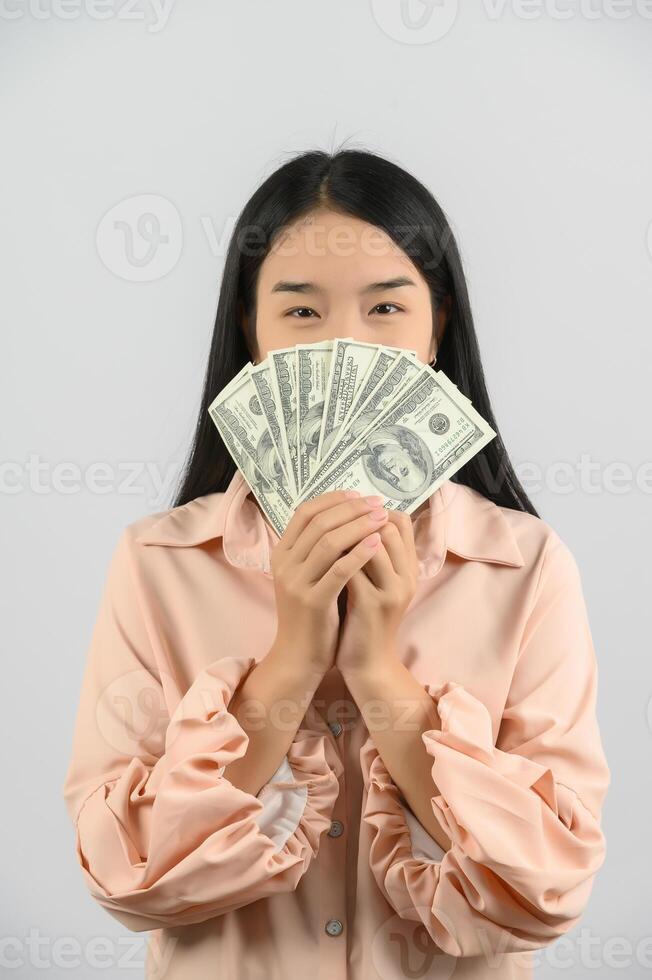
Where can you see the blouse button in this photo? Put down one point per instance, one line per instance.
(334, 927)
(336, 829)
(335, 727)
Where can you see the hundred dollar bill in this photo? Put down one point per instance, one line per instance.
(402, 374)
(415, 445)
(385, 359)
(313, 364)
(266, 391)
(239, 418)
(350, 362)
(400, 378)
(378, 370)
(264, 490)
(283, 375)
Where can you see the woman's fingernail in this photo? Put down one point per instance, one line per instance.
(373, 500)
(352, 493)
(373, 540)
(378, 515)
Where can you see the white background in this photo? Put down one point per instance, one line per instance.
(530, 124)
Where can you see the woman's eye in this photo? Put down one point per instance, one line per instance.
(378, 305)
(298, 310)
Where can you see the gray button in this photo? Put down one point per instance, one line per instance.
(335, 727)
(334, 927)
(336, 829)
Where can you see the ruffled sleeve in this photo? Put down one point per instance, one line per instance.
(523, 812)
(163, 838)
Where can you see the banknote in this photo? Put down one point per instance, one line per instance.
(237, 414)
(271, 408)
(345, 414)
(313, 371)
(402, 372)
(264, 490)
(283, 376)
(380, 366)
(351, 360)
(417, 443)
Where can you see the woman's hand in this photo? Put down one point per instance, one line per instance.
(324, 544)
(378, 596)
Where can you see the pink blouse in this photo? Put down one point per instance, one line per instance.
(326, 873)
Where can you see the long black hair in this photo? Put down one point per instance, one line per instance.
(375, 190)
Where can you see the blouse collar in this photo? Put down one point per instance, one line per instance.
(458, 519)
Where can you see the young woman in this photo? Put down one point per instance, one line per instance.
(367, 748)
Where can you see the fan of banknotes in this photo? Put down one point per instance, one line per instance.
(345, 415)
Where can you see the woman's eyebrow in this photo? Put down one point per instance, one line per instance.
(378, 287)
(287, 286)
